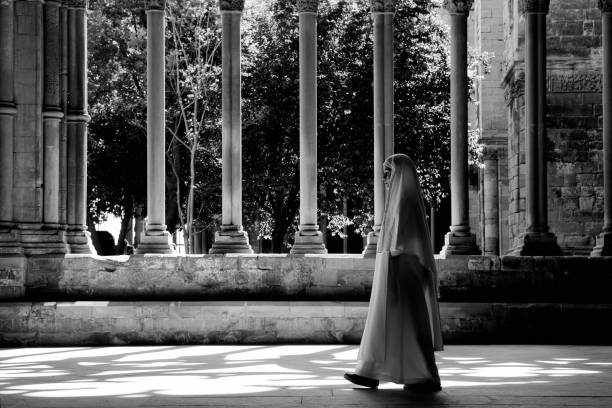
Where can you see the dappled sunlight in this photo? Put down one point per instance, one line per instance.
(174, 371)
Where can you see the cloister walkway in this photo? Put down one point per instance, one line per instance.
(296, 375)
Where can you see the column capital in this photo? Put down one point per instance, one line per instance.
(231, 5)
(534, 6)
(5, 2)
(458, 6)
(155, 5)
(382, 6)
(605, 6)
(307, 6)
(78, 4)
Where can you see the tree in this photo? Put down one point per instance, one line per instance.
(194, 116)
(117, 132)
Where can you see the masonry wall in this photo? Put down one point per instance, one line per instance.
(574, 151)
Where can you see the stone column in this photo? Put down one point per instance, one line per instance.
(63, 152)
(52, 113)
(603, 246)
(460, 240)
(231, 238)
(155, 238)
(308, 239)
(7, 119)
(77, 237)
(382, 16)
(491, 202)
(536, 240)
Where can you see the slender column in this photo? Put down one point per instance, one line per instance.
(603, 246)
(77, 236)
(7, 112)
(9, 240)
(460, 240)
(63, 153)
(52, 114)
(308, 239)
(231, 238)
(155, 238)
(382, 16)
(491, 201)
(536, 240)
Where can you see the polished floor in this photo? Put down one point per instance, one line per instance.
(296, 375)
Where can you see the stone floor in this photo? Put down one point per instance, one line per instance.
(296, 375)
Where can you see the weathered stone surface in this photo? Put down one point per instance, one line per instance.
(122, 323)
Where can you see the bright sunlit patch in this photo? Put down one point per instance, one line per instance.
(262, 368)
(571, 359)
(323, 362)
(81, 353)
(179, 352)
(90, 363)
(451, 383)
(12, 353)
(462, 358)
(599, 364)
(348, 355)
(123, 372)
(31, 374)
(474, 361)
(276, 352)
(501, 372)
(552, 362)
(134, 396)
(9, 392)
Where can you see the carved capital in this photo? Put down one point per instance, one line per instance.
(458, 6)
(78, 4)
(382, 6)
(5, 2)
(605, 6)
(231, 5)
(155, 4)
(534, 6)
(307, 6)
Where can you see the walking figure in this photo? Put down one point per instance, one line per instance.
(402, 329)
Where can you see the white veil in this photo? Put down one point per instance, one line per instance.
(405, 231)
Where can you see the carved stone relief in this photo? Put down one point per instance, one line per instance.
(155, 4)
(458, 6)
(307, 6)
(574, 82)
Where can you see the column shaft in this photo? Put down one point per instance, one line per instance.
(460, 240)
(231, 238)
(155, 238)
(7, 112)
(603, 245)
(383, 113)
(491, 205)
(52, 113)
(536, 240)
(77, 236)
(308, 239)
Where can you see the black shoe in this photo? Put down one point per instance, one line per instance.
(359, 380)
(429, 386)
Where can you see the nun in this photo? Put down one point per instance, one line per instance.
(402, 329)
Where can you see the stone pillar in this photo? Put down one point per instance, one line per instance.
(308, 239)
(382, 16)
(77, 237)
(231, 238)
(603, 246)
(8, 238)
(52, 113)
(460, 240)
(63, 151)
(536, 240)
(491, 202)
(155, 238)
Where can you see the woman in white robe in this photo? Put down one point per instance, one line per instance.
(402, 329)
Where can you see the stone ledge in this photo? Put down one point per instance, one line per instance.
(119, 323)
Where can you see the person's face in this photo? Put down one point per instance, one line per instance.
(386, 176)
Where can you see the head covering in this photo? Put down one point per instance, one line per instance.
(404, 226)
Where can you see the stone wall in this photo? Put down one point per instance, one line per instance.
(575, 181)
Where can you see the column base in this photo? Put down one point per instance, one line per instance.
(231, 241)
(79, 242)
(308, 242)
(35, 239)
(459, 244)
(371, 244)
(160, 243)
(537, 244)
(9, 240)
(603, 246)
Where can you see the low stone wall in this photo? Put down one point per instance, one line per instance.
(286, 277)
(259, 322)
